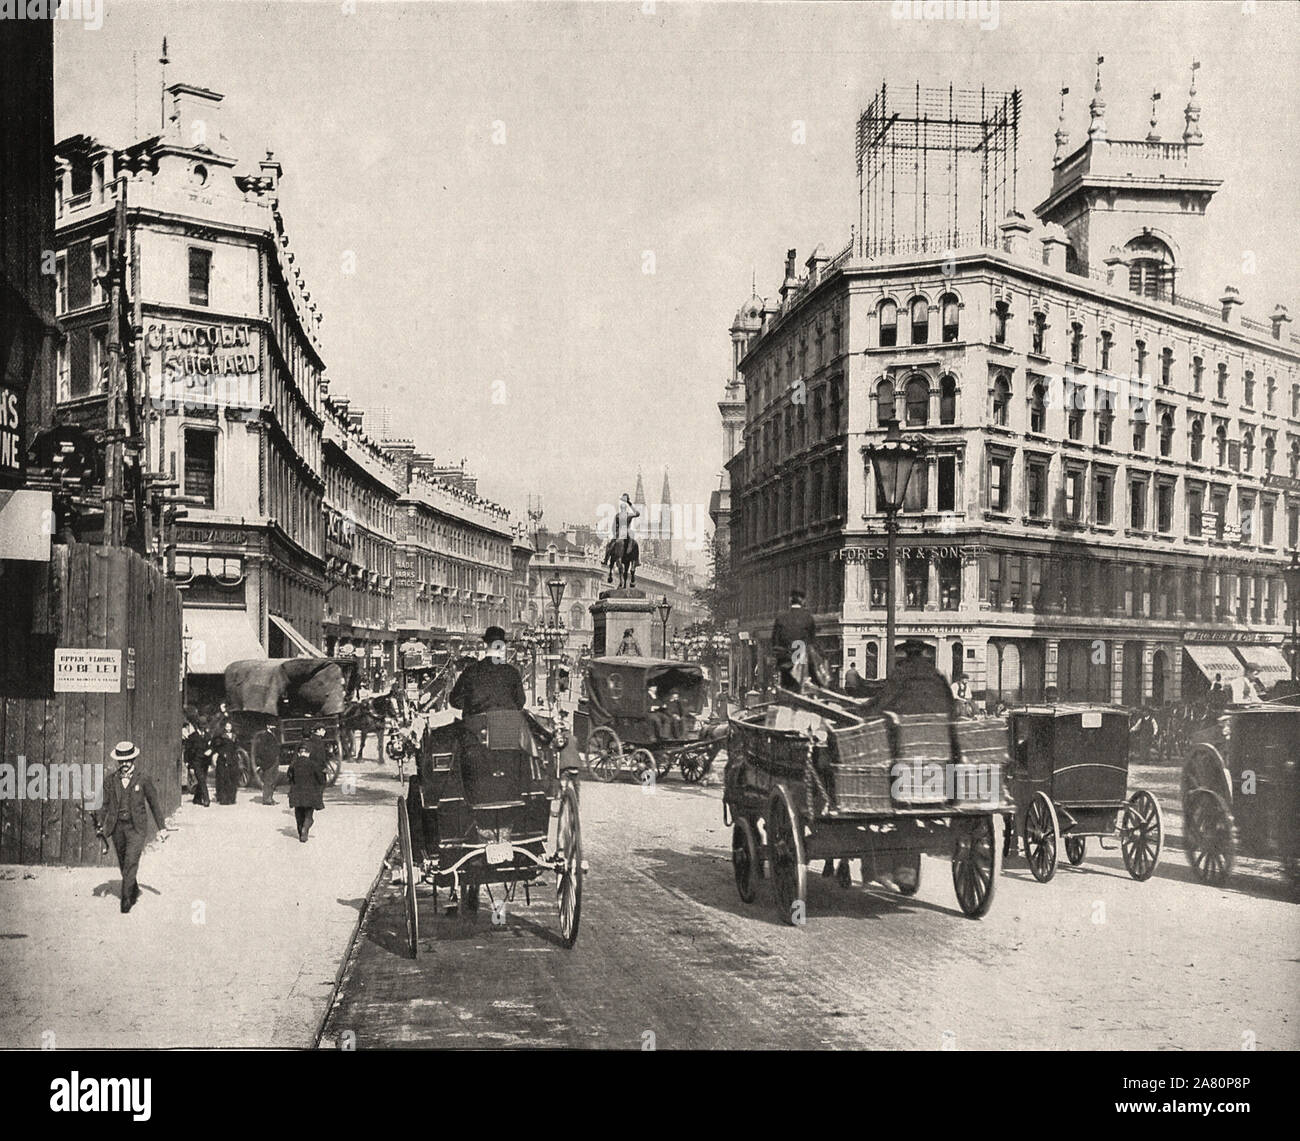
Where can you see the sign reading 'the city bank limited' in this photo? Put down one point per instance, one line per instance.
(87, 671)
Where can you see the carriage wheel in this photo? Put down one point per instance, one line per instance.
(1208, 838)
(744, 859)
(643, 762)
(604, 753)
(334, 765)
(1075, 846)
(914, 866)
(694, 764)
(568, 880)
(976, 862)
(663, 765)
(786, 856)
(408, 876)
(1141, 834)
(1042, 837)
(245, 768)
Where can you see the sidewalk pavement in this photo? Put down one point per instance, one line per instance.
(236, 940)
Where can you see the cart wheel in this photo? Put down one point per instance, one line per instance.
(245, 768)
(1208, 837)
(909, 883)
(694, 764)
(663, 765)
(568, 880)
(844, 875)
(333, 767)
(1042, 837)
(643, 762)
(604, 753)
(786, 856)
(744, 859)
(976, 862)
(1075, 846)
(408, 875)
(1141, 834)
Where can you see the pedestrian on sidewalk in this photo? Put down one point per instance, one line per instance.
(307, 777)
(223, 753)
(122, 817)
(194, 745)
(268, 765)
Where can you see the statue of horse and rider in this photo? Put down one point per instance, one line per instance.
(622, 552)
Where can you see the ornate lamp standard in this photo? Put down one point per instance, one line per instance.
(663, 608)
(892, 461)
(555, 587)
(1292, 575)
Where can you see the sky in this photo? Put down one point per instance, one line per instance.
(551, 212)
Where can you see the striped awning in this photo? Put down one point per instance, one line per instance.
(215, 638)
(301, 644)
(1268, 660)
(1215, 659)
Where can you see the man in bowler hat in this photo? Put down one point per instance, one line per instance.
(122, 817)
(307, 776)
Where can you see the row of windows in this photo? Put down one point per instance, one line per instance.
(810, 496)
(782, 371)
(293, 504)
(918, 322)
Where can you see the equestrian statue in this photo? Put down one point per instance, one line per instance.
(622, 552)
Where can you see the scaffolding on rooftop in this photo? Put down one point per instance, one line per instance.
(934, 167)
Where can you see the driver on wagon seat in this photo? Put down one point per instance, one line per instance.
(489, 683)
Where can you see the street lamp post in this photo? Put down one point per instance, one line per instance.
(892, 461)
(663, 608)
(555, 587)
(1292, 574)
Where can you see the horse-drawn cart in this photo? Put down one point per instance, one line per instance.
(810, 779)
(646, 714)
(494, 804)
(275, 704)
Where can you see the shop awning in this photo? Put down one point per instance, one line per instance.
(305, 648)
(1215, 659)
(215, 638)
(1268, 660)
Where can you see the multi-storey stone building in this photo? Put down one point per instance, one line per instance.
(1111, 471)
(229, 369)
(361, 493)
(454, 560)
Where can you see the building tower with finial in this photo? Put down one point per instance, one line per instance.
(1062, 135)
(1131, 204)
(745, 328)
(664, 531)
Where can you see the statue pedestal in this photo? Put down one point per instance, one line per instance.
(618, 610)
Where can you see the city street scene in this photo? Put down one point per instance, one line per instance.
(650, 526)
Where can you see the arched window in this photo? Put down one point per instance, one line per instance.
(575, 616)
(918, 401)
(1001, 401)
(888, 324)
(1151, 268)
(1247, 450)
(1038, 409)
(1295, 460)
(1270, 393)
(1221, 445)
(1198, 439)
(920, 311)
(1270, 453)
(871, 661)
(948, 399)
(951, 317)
(885, 411)
(1039, 340)
(1167, 434)
(1076, 342)
(1001, 315)
(1248, 383)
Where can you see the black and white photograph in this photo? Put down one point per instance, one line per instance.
(622, 526)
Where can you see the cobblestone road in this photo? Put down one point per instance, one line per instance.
(1091, 960)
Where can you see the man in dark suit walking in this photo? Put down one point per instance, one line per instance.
(794, 641)
(307, 777)
(122, 817)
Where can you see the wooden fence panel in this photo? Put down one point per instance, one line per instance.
(93, 597)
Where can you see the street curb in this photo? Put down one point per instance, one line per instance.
(352, 942)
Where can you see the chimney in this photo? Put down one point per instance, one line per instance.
(1229, 302)
(1015, 230)
(195, 116)
(1055, 243)
(791, 282)
(1116, 262)
(272, 171)
(1279, 318)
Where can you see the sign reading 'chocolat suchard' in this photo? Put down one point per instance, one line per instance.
(191, 351)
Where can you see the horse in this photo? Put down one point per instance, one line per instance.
(369, 715)
(624, 554)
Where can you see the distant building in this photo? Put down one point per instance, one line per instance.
(1112, 470)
